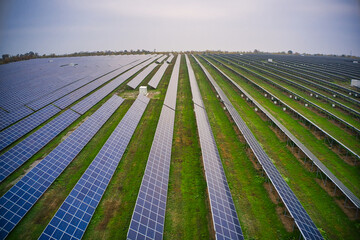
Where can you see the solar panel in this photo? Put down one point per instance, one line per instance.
(24, 150)
(21, 128)
(84, 105)
(196, 97)
(170, 97)
(161, 59)
(148, 218)
(74, 215)
(170, 58)
(48, 81)
(6, 119)
(225, 221)
(154, 82)
(141, 76)
(296, 210)
(149, 213)
(16, 202)
(36, 105)
(79, 93)
(94, 98)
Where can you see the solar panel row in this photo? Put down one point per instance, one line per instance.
(161, 59)
(24, 150)
(322, 110)
(73, 216)
(23, 83)
(71, 87)
(312, 104)
(196, 97)
(94, 98)
(154, 82)
(302, 219)
(312, 76)
(344, 107)
(141, 76)
(148, 218)
(225, 221)
(81, 92)
(16, 131)
(301, 146)
(36, 105)
(289, 73)
(6, 119)
(16, 202)
(170, 97)
(170, 58)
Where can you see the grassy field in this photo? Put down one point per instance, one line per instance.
(187, 211)
(349, 175)
(337, 132)
(336, 111)
(323, 209)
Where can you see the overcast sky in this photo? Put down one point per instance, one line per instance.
(66, 26)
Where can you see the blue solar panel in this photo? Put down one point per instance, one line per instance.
(36, 105)
(196, 97)
(296, 210)
(149, 214)
(95, 97)
(170, 58)
(72, 218)
(154, 82)
(224, 216)
(141, 76)
(16, 202)
(81, 92)
(6, 119)
(170, 98)
(21, 128)
(24, 150)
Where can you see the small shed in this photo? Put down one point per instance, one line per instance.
(143, 90)
(270, 60)
(355, 83)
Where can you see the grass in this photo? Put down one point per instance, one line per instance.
(256, 211)
(349, 175)
(323, 209)
(187, 211)
(347, 139)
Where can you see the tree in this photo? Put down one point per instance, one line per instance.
(290, 52)
(5, 56)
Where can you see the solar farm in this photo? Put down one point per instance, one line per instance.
(221, 146)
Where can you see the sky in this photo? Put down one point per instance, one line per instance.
(67, 26)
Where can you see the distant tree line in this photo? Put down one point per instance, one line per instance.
(6, 58)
